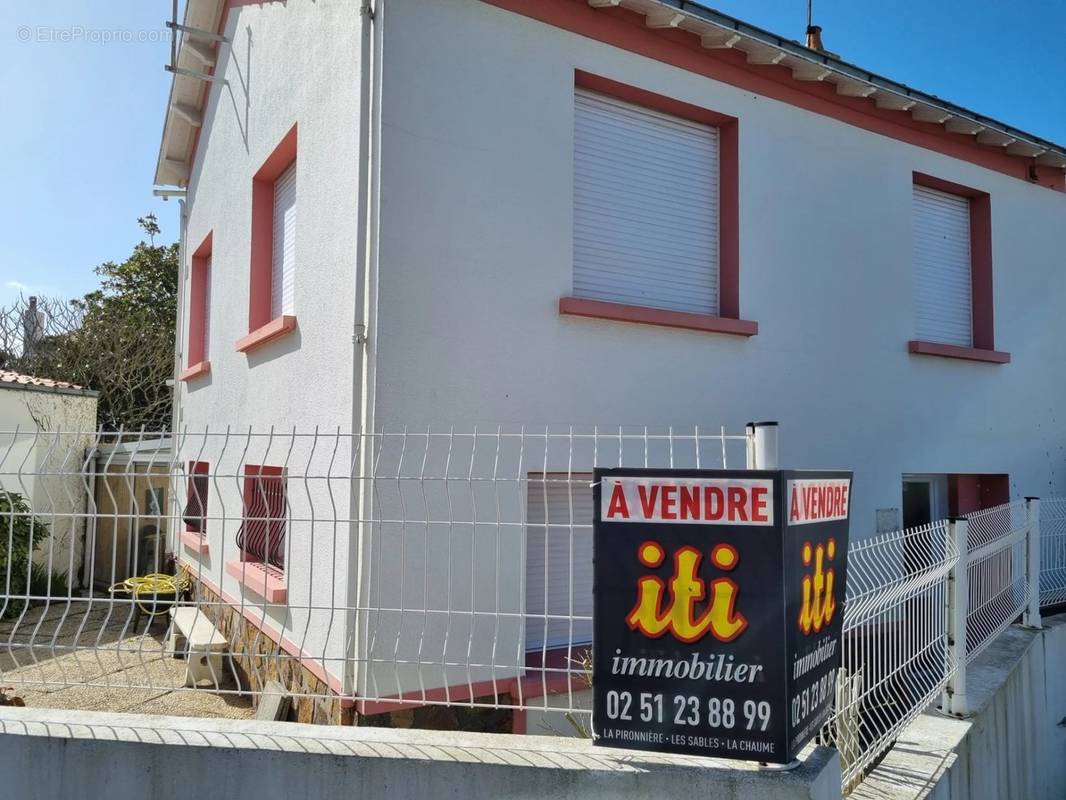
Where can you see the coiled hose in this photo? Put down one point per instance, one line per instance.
(154, 584)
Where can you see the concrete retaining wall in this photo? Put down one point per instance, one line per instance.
(1013, 747)
(53, 755)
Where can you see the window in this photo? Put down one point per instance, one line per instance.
(284, 253)
(261, 538)
(199, 338)
(271, 290)
(558, 560)
(655, 211)
(645, 207)
(943, 302)
(262, 535)
(195, 514)
(952, 271)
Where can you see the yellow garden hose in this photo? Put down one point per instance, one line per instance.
(155, 584)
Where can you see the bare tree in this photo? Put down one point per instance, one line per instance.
(118, 340)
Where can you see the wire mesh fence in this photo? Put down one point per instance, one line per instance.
(403, 571)
(998, 587)
(895, 660)
(375, 571)
(1053, 551)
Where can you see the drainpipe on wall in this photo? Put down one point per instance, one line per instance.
(179, 325)
(371, 27)
(175, 384)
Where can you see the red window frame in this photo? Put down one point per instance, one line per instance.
(728, 319)
(984, 348)
(263, 533)
(262, 326)
(196, 361)
(265, 515)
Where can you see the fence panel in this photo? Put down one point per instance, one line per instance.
(996, 567)
(376, 571)
(407, 570)
(894, 652)
(1053, 551)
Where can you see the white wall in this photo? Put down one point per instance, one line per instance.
(292, 62)
(476, 250)
(44, 437)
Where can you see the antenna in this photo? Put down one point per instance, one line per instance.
(810, 13)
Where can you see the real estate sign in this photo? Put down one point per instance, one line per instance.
(718, 608)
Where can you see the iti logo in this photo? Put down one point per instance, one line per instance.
(686, 589)
(819, 601)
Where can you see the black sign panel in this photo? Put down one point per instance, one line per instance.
(718, 608)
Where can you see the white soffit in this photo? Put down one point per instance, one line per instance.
(196, 55)
(718, 31)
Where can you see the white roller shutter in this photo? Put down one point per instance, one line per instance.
(645, 207)
(283, 272)
(207, 309)
(943, 289)
(558, 561)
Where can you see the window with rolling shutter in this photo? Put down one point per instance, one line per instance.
(558, 561)
(943, 263)
(206, 349)
(282, 276)
(646, 216)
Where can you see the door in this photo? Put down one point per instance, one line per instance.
(925, 499)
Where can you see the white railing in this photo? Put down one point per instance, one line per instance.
(1053, 551)
(895, 658)
(400, 571)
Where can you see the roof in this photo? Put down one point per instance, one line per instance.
(16, 380)
(197, 54)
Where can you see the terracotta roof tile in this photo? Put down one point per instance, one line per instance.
(30, 380)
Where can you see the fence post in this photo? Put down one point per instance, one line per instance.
(958, 603)
(1031, 617)
(762, 445)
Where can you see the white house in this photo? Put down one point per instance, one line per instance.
(446, 213)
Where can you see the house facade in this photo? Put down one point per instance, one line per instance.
(435, 214)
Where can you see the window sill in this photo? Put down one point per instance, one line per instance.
(263, 579)
(196, 370)
(598, 309)
(275, 329)
(196, 542)
(954, 351)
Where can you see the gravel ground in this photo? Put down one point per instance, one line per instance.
(87, 658)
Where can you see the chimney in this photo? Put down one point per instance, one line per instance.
(33, 328)
(814, 38)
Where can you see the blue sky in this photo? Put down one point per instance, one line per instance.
(87, 113)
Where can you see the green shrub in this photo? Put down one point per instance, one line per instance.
(20, 534)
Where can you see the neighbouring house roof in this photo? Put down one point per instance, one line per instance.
(16, 380)
(715, 32)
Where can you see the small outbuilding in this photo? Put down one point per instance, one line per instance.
(46, 430)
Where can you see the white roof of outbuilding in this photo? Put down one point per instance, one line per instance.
(716, 31)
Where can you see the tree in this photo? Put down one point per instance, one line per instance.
(118, 339)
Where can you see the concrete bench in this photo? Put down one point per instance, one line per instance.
(204, 643)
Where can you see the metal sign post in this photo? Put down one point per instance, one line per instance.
(718, 609)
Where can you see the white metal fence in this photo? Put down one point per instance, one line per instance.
(408, 570)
